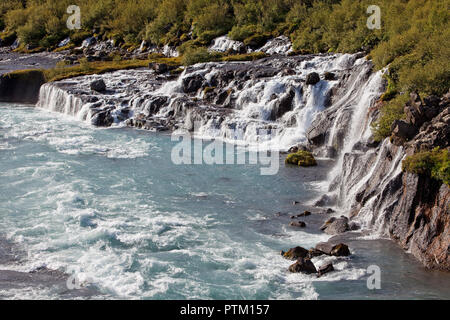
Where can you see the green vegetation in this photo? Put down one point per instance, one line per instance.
(413, 46)
(411, 42)
(435, 163)
(389, 112)
(62, 71)
(302, 159)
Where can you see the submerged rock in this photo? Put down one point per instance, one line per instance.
(298, 224)
(303, 265)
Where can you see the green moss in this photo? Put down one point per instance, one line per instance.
(244, 57)
(302, 159)
(208, 90)
(435, 163)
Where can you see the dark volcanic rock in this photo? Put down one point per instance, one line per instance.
(21, 87)
(98, 85)
(335, 226)
(326, 268)
(340, 250)
(303, 265)
(298, 224)
(295, 253)
(313, 252)
(312, 78)
(329, 76)
(402, 132)
(192, 84)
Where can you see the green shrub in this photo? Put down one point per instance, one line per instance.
(197, 55)
(435, 163)
(389, 112)
(302, 159)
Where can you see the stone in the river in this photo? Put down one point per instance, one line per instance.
(312, 78)
(329, 76)
(335, 226)
(298, 224)
(326, 268)
(313, 252)
(324, 247)
(340, 250)
(159, 67)
(325, 200)
(303, 265)
(192, 83)
(295, 253)
(354, 226)
(98, 85)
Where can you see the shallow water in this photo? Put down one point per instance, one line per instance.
(109, 206)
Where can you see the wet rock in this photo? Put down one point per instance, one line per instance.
(295, 253)
(326, 268)
(335, 226)
(312, 78)
(303, 265)
(340, 250)
(354, 226)
(285, 104)
(402, 132)
(192, 83)
(102, 119)
(313, 252)
(88, 42)
(298, 224)
(159, 68)
(329, 76)
(330, 249)
(324, 247)
(98, 85)
(325, 200)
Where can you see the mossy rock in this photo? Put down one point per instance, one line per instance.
(301, 159)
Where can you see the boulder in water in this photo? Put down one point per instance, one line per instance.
(329, 76)
(303, 265)
(98, 85)
(312, 78)
(326, 268)
(295, 253)
(334, 226)
(298, 224)
(340, 250)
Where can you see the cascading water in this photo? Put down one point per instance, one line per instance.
(270, 94)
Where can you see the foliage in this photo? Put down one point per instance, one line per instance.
(301, 159)
(435, 163)
(389, 112)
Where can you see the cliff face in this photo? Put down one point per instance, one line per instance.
(412, 209)
(21, 86)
